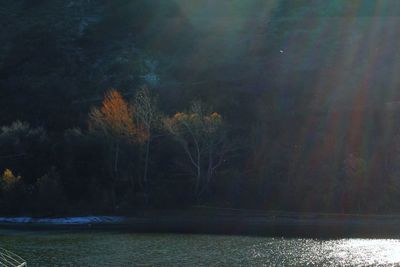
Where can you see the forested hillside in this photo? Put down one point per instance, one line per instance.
(110, 106)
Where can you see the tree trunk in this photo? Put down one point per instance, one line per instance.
(113, 198)
(210, 167)
(146, 163)
(198, 180)
(116, 159)
(115, 172)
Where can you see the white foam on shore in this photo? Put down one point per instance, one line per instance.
(64, 220)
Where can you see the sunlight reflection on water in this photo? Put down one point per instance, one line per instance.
(129, 249)
(369, 252)
(342, 252)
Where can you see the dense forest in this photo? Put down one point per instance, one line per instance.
(114, 106)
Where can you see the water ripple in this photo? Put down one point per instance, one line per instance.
(127, 249)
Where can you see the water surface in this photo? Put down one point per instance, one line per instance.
(87, 248)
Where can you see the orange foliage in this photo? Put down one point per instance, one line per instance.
(115, 118)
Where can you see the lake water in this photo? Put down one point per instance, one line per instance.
(86, 248)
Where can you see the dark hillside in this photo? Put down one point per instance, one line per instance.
(305, 93)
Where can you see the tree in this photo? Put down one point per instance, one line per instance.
(13, 193)
(9, 179)
(25, 149)
(146, 116)
(114, 120)
(50, 193)
(203, 140)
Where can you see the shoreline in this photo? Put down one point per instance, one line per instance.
(266, 224)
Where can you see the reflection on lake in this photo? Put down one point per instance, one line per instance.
(128, 249)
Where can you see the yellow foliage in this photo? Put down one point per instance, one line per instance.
(215, 116)
(194, 116)
(9, 178)
(180, 116)
(206, 124)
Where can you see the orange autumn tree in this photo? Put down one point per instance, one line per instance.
(202, 136)
(115, 120)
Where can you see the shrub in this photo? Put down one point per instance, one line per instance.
(8, 179)
(50, 193)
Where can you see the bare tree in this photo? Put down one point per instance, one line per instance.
(147, 116)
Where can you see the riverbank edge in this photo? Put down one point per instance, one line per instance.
(248, 223)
